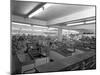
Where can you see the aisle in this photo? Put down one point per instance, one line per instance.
(77, 52)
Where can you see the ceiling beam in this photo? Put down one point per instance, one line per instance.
(75, 21)
(31, 24)
(82, 24)
(81, 20)
(36, 8)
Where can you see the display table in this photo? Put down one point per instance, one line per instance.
(64, 63)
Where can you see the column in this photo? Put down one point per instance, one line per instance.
(59, 34)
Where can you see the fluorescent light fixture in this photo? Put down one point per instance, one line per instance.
(39, 10)
(49, 31)
(47, 5)
(37, 30)
(20, 24)
(35, 13)
(91, 21)
(64, 30)
(52, 29)
(39, 26)
(75, 24)
(87, 22)
(70, 31)
(27, 29)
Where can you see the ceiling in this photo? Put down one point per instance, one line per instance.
(23, 8)
(59, 10)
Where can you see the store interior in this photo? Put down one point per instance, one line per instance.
(52, 37)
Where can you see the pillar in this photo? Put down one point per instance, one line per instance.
(59, 34)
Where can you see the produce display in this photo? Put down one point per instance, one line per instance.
(36, 45)
(87, 43)
(39, 46)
